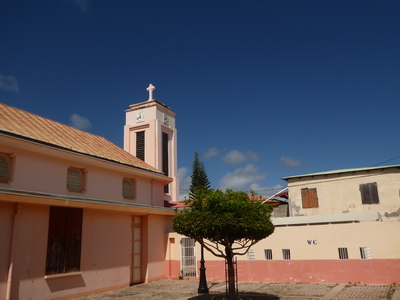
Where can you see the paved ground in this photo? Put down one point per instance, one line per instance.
(169, 289)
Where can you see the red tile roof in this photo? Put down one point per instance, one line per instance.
(174, 204)
(43, 130)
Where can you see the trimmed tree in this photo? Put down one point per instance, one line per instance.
(226, 224)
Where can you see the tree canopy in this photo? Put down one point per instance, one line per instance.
(226, 218)
(225, 223)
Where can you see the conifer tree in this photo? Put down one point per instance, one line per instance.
(199, 177)
(200, 183)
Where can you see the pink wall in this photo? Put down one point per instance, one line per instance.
(375, 271)
(105, 260)
(102, 182)
(7, 211)
(155, 237)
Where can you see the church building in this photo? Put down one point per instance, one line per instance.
(79, 214)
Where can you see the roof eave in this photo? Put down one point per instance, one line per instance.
(337, 172)
(18, 196)
(142, 171)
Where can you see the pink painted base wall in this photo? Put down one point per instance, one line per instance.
(376, 271)
(172, 269)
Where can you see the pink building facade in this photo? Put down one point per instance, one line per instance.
(78, 214)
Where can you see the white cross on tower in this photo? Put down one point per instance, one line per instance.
(151, 88)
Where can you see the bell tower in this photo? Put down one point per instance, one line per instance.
(150, 134)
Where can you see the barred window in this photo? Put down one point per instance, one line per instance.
(286, 254)
(343, 253)
(268, 254)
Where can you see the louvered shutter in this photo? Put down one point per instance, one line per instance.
(165, 158)
(373, 190)
(128, 189)
(4, 167)
(309, 198)
(140, 145)
(369, 193)
(75, 180)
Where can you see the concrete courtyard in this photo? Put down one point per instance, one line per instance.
(187, 289)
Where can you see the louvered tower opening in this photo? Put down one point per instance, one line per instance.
(165, 158)
(140, 145)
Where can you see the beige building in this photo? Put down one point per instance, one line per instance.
(342, 226)
(347, 193)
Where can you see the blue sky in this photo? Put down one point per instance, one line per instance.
(262, 89)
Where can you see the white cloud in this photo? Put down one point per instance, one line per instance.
(80, 122)
(290, 162)
(9, 83)
(84, 5)
(252, 156)
(184, 183)
(235, 157)
(242, 178)
(212, 152)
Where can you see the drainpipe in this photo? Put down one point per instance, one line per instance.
(12, 246)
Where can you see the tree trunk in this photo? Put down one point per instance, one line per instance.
(231, 277)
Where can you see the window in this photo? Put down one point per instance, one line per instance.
(343, 253)
(251, 255)
(140, 149)
(165, 158)
(129, 188)
(75, 180)
(365, 253)
(5, 167)
(309, 198)
(369, 193)
(268, 254)
(64, 240)
(286, 253)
